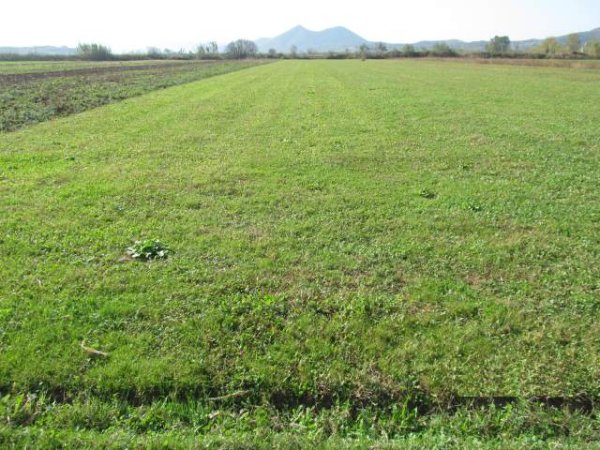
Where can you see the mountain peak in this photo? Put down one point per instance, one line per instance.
(303, 39)
(299, 28)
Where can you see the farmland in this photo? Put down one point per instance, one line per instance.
(16, 67)
(34, 92)
(377, 253)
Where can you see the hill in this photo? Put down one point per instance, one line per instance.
(331, 39)
(341, 39)
(527, 44)
(584, 37)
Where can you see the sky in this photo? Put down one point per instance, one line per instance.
(127, 25)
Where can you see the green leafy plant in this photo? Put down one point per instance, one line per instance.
(426, 193)
(148, 249)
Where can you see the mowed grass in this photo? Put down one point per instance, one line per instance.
(380, 239)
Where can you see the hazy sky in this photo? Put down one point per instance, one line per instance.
(136, 24)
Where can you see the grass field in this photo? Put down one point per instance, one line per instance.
(38, 91)
(379, 253)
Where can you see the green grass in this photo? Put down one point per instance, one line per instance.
(114, 424)
(344, 236)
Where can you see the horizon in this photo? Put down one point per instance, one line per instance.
(136, 26)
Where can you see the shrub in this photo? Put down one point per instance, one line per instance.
(592, 48)
(443, 49)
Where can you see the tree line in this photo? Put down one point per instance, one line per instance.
(498, 46)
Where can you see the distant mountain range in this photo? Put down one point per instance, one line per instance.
(339, 39)
(42, 50)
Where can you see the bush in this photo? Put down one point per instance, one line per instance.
(443, 49)
(592, 48)
(409, 50)
(549, 47)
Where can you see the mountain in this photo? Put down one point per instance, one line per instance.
(478, 46)
(42, 50)
(340, 38)
(584, 37)
(331, 39)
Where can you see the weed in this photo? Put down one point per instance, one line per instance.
(148, 249)
(426, 193)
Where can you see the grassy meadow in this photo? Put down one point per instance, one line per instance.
(363, 254)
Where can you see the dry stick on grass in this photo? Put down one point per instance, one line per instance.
(229, 396)
(92, 351)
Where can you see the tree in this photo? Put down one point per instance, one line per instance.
(592, 48)
(498, 45)
(443, 49)
(573, 43)
(380, 48)
(241, 49)
(293, 51)
(94, 52)
(550, 47)
(207, 51)
(154, 53)
(213, 47)
(272, 53)
(364, 51)
(409, 50)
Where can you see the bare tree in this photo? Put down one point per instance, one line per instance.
(241, 49)
(207, 51)
(154, 53)
(380, 48)
(94, 52)
(364, 51)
